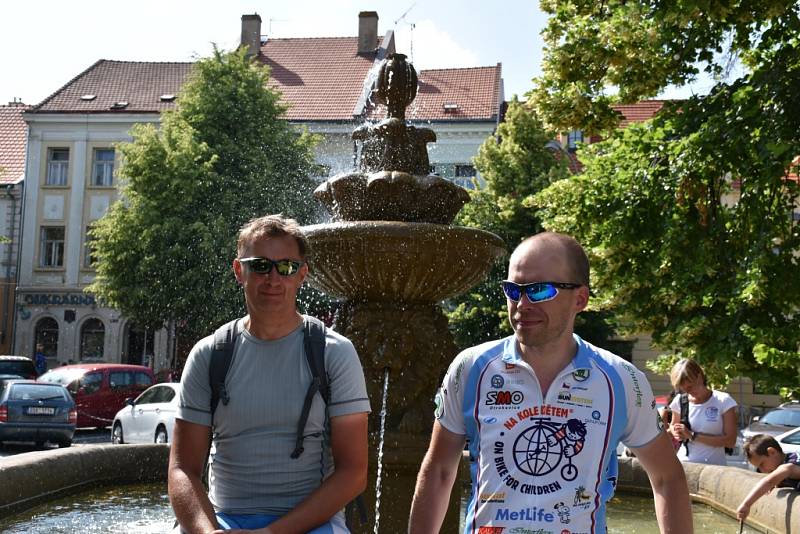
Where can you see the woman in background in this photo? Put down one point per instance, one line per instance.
(711, 416)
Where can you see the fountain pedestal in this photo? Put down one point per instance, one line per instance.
(391, 256)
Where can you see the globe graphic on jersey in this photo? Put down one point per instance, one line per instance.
(532, 454)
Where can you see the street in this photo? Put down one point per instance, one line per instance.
(83, 437)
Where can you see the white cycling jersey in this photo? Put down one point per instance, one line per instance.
(544, 465)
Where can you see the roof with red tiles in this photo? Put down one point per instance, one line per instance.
(320, 78)
(107, 85)
(459, 94)
(638, 111)
(13, 135)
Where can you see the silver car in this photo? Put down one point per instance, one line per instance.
(149, 418)
(776, 421)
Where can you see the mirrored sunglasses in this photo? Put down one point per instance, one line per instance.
(535, 291)
(264, 265)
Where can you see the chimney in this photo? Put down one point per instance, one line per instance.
(251, 34)
(367, 32)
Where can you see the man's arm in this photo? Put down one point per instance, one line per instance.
(435, 481)
(673, 506)
(349, 478)
(764, 485)
(187, 458)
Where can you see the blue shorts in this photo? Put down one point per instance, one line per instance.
(250, 521)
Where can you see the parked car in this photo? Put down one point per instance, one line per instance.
(790, 441)
(33, 411)
(776, 421)
(17, 365)
(100, 389)
(149, 418)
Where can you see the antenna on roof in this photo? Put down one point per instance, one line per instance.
(411, 46)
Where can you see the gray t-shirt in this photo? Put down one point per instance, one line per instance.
(254, 434)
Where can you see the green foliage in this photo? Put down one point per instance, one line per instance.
(689, 217)
(164, 250)
(515, 164)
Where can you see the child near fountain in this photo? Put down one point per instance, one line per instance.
(766, 455)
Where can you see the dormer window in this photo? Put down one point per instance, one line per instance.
(573, 138)
(450, 107)
(122, 104)
(169, 97)
(88, 98)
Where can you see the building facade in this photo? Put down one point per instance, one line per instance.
(72, 160)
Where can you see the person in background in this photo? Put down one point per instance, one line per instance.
(711, 416)
(542, 412)
(40, 360)
(765, 454)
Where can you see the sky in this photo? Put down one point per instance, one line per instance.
(46, 43)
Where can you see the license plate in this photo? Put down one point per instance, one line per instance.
(41, 410)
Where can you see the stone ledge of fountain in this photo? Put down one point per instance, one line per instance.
(364, 260)
(724, 488)
(27, 480)
(392, 196)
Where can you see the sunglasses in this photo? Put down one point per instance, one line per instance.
(264, 265)
(535, 291)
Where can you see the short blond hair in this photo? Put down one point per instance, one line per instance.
(271, 226)
(685, 370)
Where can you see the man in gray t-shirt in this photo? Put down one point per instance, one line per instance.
(254, 483)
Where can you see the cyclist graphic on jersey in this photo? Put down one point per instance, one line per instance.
(574, 432)
(538, 450)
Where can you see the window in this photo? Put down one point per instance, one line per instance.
(52, 243)
(465, 175)
(46, 335)
(91, 382)
(103, 167)
(57, 166)
(573, 138)
(88, 252)
(93, 334)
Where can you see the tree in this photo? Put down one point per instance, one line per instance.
(163, 252)
(689, 218)
(515, 164)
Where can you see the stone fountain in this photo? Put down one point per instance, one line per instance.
(391, 256)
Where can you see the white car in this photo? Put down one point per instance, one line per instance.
(790, 441)
(149, 418)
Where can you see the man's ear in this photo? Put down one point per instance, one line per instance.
(581, 298)
(237, 271)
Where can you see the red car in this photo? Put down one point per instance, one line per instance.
(100, 389)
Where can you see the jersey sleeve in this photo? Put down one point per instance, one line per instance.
(449, 399)
(644, 424)
(346, 377)
(728, 402)
(195, 397)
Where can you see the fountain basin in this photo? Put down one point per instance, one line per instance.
(372, 260)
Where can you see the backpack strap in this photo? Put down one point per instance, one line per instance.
(314, 348)
(221, 357)
(684, 400)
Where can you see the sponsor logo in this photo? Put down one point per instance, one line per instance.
(490, 420)
(504, 398)
(493, 496)
(637, 389)
(596, 415)
(582, 499)
(439, 402)
(459, 370)
(532, 515)
(565, 397)
(497, 381)
(490, 530)
(563, 512)
(509, 366)
(523, 530)
(580, 375)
